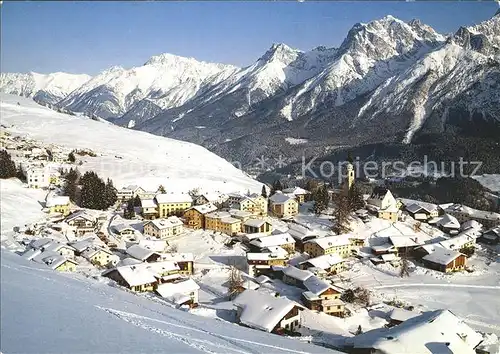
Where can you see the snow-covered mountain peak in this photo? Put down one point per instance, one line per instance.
(280, 52)
(483, 38)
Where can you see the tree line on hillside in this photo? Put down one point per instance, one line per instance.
(89, 191)
(8, 168)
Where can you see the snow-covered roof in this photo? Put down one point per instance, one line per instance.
(148, 203)
(205, 208)
(295, 191)
(442, 256)
(123, 227)
(383, 247)
(31, 253)
(273, 240)
(229, 220)
(185, 287)
(136, 275)
(80, 214)
(39, 243)
(178, 257)
(255, 222)
(389, 257)
(218, 215)
(153, 245)
(398, 314)
(139, 252)
(448, 221)
(255, 256)
(128, 262)
(316, 285)
(455, 243)
(280, 198)
(161, 224)
(239, 213)
(331, 241)
(300, 232)
(471, 224)
(296, 273)
(56, 201)
(54, 261)
(437, 331)
(173, 198)
(55, 246)
(262, 311)
(262, 279)
(416, 205)
(480, 214)
(325, 261)
(82, 245)
(405, 241)
(93, 251)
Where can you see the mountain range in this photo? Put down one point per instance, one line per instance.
(389, 81)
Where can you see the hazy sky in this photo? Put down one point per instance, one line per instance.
(87, 37)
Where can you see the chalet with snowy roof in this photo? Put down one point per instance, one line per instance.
(330, 263)
(301, 235)
(82, 222)
(59, 248)
(463, 240)
(445, 260)
(123, 229)
(182, 292)
(464, 213)
(253, 203)
(438, 331)
(471, 225)
(262, 263)
(195, 216)
(300, 194)
(143, 254)
(283, 206)
(134, 277)
(129, 192)
(322, 296)
(447, 223)
(82, 245)
(100, 256)
(58, 204)
(295, 276)
(185, 261)
(338, 244)
(284, 241)
(149, 209)
(173, 204)
(383, 202)
(164, 228)
(154, 244)
(421, 211)
(222, 221)
(252, 226)
(266, 312)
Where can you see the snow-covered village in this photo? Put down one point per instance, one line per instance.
(187, 206)
(328, 266)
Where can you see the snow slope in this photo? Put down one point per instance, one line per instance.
(126, 156)
(19, 205)
(67, 313)
(49, 88)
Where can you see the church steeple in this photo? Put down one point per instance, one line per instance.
(350, 176)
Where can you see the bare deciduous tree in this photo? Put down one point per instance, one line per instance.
(235, 281)
(404, 270)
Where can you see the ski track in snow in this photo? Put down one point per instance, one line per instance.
(437, 285)
(130, 317)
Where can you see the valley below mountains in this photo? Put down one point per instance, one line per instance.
(389, 82)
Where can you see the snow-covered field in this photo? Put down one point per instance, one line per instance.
(127, 156)
(19, 205)
(64, 313)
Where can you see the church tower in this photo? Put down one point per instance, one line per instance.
(350, 176)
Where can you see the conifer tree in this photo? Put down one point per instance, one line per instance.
(7, 166)
(71, 157)
(110, 193)
(277, 186)
(129, 211)
(137, 201)
(264, 191)
(161, 189)
(356, 200)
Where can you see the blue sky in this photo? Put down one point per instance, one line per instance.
(87, 37)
